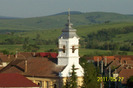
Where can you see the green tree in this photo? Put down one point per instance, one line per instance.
(130, 82)
(25, 44)
(6, 52)
(90, 75)
(71, 82)
(30, 47)
(67, 84)
(33, 47)
(38, 40)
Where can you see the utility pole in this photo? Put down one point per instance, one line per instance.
(109, 76)
(97, 62)
(101, 66)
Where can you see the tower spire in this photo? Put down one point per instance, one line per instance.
(69, 24)
(69, 16)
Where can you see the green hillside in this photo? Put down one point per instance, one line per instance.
(82, 31)
(58, 21)
(100, 33)
(49, 37)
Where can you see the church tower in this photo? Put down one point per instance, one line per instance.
(68, 50)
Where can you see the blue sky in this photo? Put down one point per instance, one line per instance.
(36, 8)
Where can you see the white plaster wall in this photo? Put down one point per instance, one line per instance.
(73, 42)
(66, 72)
(68, 58)
(62, 61)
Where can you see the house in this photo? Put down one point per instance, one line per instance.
(11, 80)
(4, 60)
(42, 71)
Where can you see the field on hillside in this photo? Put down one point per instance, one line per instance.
(81, 31)
(58, 21)
(44, 32)
(50, 35)
(45, 48)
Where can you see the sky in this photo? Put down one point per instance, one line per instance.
(37, 8)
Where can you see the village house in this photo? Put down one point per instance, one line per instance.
(4, 60)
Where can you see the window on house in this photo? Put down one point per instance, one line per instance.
(40, 83)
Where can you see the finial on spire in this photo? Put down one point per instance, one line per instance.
(69, 24)
(69, 15)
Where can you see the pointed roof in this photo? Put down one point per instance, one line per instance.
(68, 31)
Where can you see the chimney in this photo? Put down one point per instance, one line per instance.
(9, 56)
(26, 68)
(16, 55)
(34, 54)
(125, 61)
(120, 61)
(131, 67)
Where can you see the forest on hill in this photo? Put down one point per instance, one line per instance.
(59, 20)
(109, 37)
(100, 33)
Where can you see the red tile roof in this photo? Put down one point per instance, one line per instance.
(48, 54)
(102, 57)
(36, 66)
(126, 73)
(113, 57)
(1, 68)
(25, 54)
(5, 58)
(114, 60)
(15, 80)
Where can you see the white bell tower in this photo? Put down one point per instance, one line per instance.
(68, 50)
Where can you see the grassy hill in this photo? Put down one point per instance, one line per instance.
(85, 23)
(58, 21)
(82, 31)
